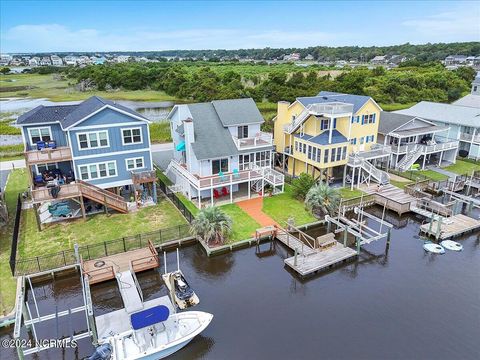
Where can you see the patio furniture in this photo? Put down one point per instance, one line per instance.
(38, 180)
(216, 194)
(236, 174)
(52, 144)
(225, 191)
(41, 145)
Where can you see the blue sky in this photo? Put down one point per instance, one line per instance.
(153, 25)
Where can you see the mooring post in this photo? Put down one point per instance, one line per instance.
(389, 235)
(439, 226)
(345, 235)
(470, 208)
(358, 244)
(328, 226)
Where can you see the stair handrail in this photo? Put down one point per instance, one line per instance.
(100, 190)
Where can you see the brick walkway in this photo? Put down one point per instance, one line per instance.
(253, 207)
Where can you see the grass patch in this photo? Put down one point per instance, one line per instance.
(400, 184)
(396, 106)
(7, 129)
(11, 152)
(463, 167)
(346, 193)
(163, 177)
(17, 183)
(433, 175)
(283, 206)
(96, 229)
(160, 132)
(243, 226)
(188, 204)
(57, 88)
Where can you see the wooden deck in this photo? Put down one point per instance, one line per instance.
(392, 197)
(311, 260)
(321, 260)
(140, 260)
(458, 225)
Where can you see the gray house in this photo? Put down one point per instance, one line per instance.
(220, 153)
(415, 140)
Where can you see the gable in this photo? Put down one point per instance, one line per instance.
(108, 116)
(415, 123)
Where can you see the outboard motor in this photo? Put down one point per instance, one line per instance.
(102, 352)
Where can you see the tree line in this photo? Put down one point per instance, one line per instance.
(406, 84)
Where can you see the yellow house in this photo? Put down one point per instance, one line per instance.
(326, 134)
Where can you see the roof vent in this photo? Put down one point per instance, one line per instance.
(325, 98)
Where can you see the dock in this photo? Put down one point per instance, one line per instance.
(105, 268)
(320, 260)
(459, 224)
(129, 290)
(310, 257)
(392, 197)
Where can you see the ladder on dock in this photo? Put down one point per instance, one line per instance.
(130, 291)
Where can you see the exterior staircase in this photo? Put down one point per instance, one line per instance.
(102, 196)
(256, 186)
(410, 158)
(379, 175)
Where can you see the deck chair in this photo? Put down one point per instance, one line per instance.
(216, 194)
(225, 191)
(236, 174)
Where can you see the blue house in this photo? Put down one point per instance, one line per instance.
(96, 153)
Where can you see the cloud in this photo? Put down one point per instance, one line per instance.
(56, 37)
(460, 24)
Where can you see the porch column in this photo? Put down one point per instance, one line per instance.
(231, 193)
(359, 177)
(154, 192)
(330, 130)
(82, 206)
(199, 199)
(190, 192)
(211, 196)
(424, 158)
(263, 187)
(440, 160)
(344, 174)
(352, 179)
(249, 190)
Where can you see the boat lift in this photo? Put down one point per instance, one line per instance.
(358, 228)
(24, 312)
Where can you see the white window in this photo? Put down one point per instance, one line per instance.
(135, 163)
(131, 136)
(98, 170)
(93, 140)
(40, 134)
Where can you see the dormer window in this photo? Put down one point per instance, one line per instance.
(242, 132)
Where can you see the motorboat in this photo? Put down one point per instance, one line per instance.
(156, 334)
(433, 248)
(182, 293)
(452, 245)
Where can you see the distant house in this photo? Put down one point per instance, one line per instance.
(70, 60)
(396, 59)
(96, 150)
(56, 60)
(292, 57)
(5, 59)
(379, 59)
(45, 61)
(455, 60)
(309, 57)
(220, 153)
(462, 122)
(34, 61)
(122, 58)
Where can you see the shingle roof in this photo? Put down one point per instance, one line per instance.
(327, 96)
(322, 139)
(469, 100)
(237, 112)
(45, 114)
(68, 115)
(446, 113)
(212, 139)
(390, 121)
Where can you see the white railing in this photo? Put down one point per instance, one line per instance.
(424, 148)
(331, 110)
(260, 139)
(470, 137)
(378, 174)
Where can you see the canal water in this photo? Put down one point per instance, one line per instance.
(394, 302)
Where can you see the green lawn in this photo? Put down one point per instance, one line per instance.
(188, 204)
(433, 175)
(11, 152)
(160, 132)
(400, 184)
(97, 228)
(283, 206)
(463, 167)
(346, 193)
(396, 106)
(59, 89)
(17, 183)
(7, 129)
(243, 226)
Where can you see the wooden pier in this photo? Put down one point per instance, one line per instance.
(105, 268)
(459, 224)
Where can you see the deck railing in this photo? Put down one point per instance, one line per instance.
(63, 153)
(260, 139)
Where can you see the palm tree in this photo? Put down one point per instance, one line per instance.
(322, 199)
(211, 223)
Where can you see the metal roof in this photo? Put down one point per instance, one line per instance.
(446, 113)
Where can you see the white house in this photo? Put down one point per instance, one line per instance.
(56, 60)
(70, 60)
(220, 153)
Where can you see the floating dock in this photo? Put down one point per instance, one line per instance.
(459, 224)
(105, 268)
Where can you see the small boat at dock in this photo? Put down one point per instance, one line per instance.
(452, 245)
(182, 293)
(433, 248)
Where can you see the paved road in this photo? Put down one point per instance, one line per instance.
(3, 178)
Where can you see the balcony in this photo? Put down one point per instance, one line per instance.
(425, 149)
(332, 109)
(48, 155)
(470, 137)
(260, 139)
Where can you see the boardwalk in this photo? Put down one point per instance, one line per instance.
(458, 225)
